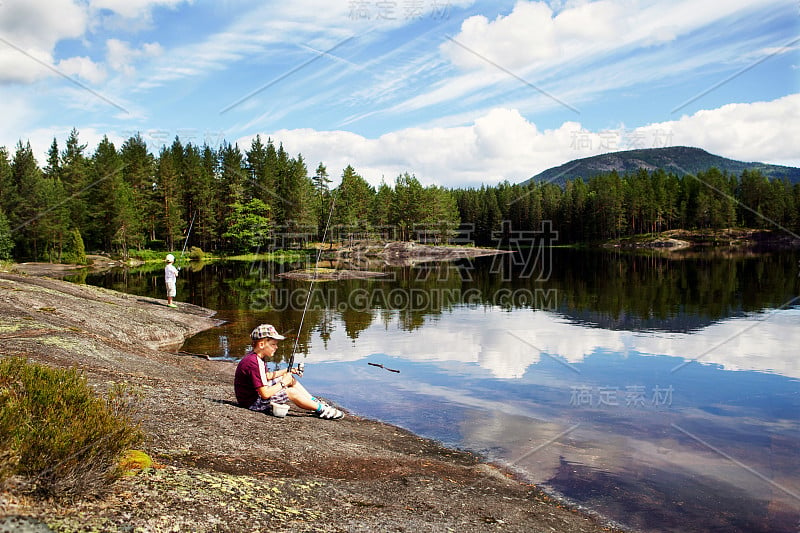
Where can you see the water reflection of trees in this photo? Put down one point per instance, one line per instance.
(606, 289)
(634, 291)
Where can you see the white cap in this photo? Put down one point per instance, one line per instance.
(170, 258)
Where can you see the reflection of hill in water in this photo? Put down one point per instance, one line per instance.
(680, 323)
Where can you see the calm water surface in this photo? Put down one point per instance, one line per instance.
(661, 393)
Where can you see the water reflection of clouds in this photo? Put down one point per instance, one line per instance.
(719, 459)
(507, 343)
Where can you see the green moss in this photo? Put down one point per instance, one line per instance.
(134, 461)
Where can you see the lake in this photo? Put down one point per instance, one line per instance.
(662, 392)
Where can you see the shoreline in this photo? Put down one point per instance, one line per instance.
(732, 240)
(310, 475)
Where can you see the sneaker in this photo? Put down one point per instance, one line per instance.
(172, 305)
(330, 413)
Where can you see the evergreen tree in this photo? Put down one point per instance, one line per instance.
(53, 167)
(261, 177)
(209, 207)
(795, 225)
(489, 219)
(354, 197)
(296, 194)
(714, 206)
(321, 180)
(169, 196)
(138, 172)
(380, 212)
(408, 207)
(196, 195)
(607, 207)
(8, 190)
(573, 211)
(551, 202)
(753, 193)
(281, 211)
(54, 217)
(74, 252)
(55, 222)
(441, 217)
(74, 175)
(776, 210)
(322, 197)
(269, 188)
(6, 241)
(112, 223)
(25, 215)
(300, 193)
(234, 181)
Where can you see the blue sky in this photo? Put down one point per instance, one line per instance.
(459, 93)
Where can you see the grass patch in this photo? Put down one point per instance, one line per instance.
(286, 256)
(150, 256)
(57, 437)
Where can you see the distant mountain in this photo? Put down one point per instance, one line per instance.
(680, 160)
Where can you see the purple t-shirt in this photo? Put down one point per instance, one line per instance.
(250, 375)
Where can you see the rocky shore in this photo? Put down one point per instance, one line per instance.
(223, 468)
(730, 240)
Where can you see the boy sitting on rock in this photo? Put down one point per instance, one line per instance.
(257, 389)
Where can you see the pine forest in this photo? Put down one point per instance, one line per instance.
(124, 199)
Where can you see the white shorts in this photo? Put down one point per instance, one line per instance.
(171, 292)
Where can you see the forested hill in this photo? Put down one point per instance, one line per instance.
(678, 159)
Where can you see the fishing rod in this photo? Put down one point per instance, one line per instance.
(311, 287)
(186, 241)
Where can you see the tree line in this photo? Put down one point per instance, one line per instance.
(123, 199)
(610, 206)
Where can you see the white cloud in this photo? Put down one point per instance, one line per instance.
(23, 66)
(82, 67)
(587, 49)
(41, 23)
(504, 145)
(17, 113)
(524, 36)
(533, 34)
(30, 30)
(766, 132)
(121, 56)
(500, 145)
(508, 344)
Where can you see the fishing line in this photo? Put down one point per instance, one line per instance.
(186, 241)
(314, 279)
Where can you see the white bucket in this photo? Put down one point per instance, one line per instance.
(279, 409)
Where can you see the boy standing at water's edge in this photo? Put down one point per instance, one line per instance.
(170, 279)
(259, 390)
